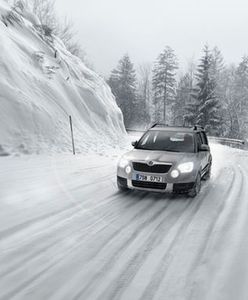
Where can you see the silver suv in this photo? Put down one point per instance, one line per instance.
(167, 159)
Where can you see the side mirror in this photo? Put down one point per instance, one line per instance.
(204, 147)
(134, 144)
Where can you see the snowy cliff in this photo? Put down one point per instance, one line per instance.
(41, 84)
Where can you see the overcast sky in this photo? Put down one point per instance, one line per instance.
(109, 28)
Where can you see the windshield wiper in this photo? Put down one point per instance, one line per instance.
(171, 150)
(140, 148)
(168, 150)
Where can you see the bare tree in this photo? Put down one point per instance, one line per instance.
(66, 32)
(45, 11)
(144, 85)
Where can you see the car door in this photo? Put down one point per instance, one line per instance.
(206, 153)
(201, 154)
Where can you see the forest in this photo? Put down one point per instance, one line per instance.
(209, 93)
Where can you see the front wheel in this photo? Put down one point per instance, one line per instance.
(121, 188)
(122, 184)
(207, 175)
(197, 187)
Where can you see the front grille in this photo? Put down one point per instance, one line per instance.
(149, 185)
(143, 167)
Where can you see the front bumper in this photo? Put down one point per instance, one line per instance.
(163, 187)
(183, 183)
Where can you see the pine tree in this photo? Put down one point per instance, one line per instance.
(229, 109)
(183, 99)
(207, 105)
(144, 94)
(217, 75)
(123, 84)
(164, 84)
(241, 96)
(217, 63)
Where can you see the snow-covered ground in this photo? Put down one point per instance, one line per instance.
(41, 84)
(66, 232)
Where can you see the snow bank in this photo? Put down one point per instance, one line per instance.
(41, 84)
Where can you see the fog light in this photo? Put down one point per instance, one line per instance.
(174, 173)
(128, 169)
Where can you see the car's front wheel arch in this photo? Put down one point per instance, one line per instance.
(197, 186)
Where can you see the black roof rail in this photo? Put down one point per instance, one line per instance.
(197, 127)
(159, 124)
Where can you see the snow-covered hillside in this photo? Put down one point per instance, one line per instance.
(41, 84)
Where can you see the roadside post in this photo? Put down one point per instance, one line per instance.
(72, 137)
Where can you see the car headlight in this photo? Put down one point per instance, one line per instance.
(123, 163)
(186, 167)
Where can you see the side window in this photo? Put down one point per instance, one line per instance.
(198, 140)
(204, 138)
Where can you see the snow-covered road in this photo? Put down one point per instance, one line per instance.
(66, 233)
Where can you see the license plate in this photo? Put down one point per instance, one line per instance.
(151, 178)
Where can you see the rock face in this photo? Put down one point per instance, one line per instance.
(41, 84)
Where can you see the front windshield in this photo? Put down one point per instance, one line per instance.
(167, 141)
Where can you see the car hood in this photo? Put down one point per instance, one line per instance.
(159, 156)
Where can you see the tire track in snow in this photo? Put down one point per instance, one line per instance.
(85, 293)
(161, 272)
(44, 271)
(63, 221)
(19, 227)
(218, 238)
(227, 197)
(30, 253)
(106, 242)
(158, 211)
(116, 288)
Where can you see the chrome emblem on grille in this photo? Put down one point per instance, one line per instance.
(150, 163)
